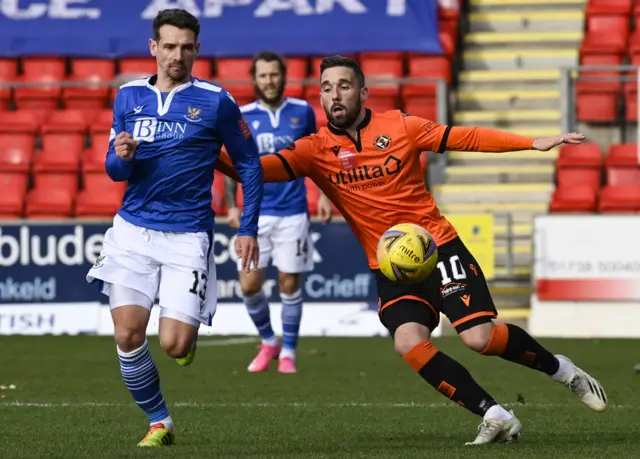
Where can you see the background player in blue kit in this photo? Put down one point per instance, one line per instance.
(283, 229)
(166, 137)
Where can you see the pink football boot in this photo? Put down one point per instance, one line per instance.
(263, 359)
(287, 365)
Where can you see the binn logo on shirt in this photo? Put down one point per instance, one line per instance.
(152, 129)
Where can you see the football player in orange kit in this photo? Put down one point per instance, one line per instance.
(368, 165)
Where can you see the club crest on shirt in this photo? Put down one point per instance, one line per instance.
(382, 142)
(193, 114)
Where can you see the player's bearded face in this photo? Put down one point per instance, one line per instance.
(268, 81)
(341, 97)
(175, 52)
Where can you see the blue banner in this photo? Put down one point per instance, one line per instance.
(48, 263)
(116, 28)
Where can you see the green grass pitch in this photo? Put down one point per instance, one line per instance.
(352, 398)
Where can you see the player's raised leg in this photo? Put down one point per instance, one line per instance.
(291, 297)
(130, 311)
(514, 344)
(467, 302)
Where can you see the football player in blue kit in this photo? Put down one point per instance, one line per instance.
(284, 233)
(165, 140)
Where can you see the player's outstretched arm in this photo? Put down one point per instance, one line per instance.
(243, 155)
(287, 165)
(122, 147)
(439, 138)
(495, 141)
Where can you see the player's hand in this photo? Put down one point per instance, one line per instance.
(325, 209)
(547, 143)
(125, 146)
(233, 217)
(248, 251)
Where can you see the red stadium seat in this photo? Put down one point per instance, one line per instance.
(619, 199)
(46, 71)
(60, 153)
(597, 108)
(382, 104)
(233, 75)
(321, 116)
(623, 176)
(424, 66)
(8, 73)
(21, 121)
(14, 187)
(99, 72)
(296, 73)
(99, 181)
(102, 122)
(382, 71)
(96, 203)
(202, 69)
(606, 34)
(578, 199)
(580, 155)
(424, 107)
(57, 180)
(16, 153)
(575, 176)
(313, 195)
(625, 155)
(49, 203)
(93, 159)
(597, 81)
(599, 7)
(138, 67)
(66, 121)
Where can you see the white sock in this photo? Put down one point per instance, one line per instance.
(497, 412)
(564, 369)
(286, 352)
(272, 342)
(167, 422)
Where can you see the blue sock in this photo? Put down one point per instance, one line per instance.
(258, 308)
(291, 317)
(141, 376)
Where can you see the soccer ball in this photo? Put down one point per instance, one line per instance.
(407, 253)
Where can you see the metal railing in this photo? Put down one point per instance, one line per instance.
(570, 79)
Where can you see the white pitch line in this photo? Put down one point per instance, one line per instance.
(227, 342)
(293, 405)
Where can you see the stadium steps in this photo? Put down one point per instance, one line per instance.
(518, 58)
(492, 192)
(473, 158)
(511, 119)
(524, 39)
(502, 173)
(516, 99)
(515, 79)
(513, 21)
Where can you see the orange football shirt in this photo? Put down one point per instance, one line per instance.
(375, 180)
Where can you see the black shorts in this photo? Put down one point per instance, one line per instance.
(457, 288)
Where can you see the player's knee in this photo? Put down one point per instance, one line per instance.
(176, 346)
(288, 283)
(408, 335)
(478, 337)
(129, 338)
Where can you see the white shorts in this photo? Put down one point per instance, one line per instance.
(176, 268)
(286, 240)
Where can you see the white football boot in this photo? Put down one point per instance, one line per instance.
(586, 387)
(498, 431)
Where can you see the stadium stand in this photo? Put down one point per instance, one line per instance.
(53, 137)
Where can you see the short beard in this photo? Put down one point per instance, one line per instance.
(348, 119)
(273, 100)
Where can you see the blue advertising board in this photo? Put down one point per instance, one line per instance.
(116, 28)
(47, 263)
